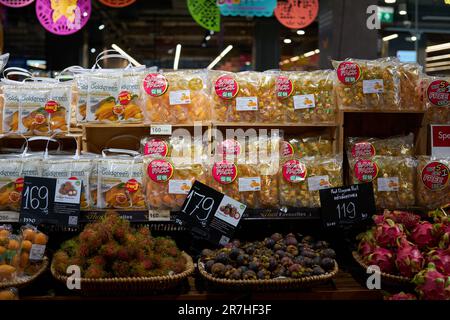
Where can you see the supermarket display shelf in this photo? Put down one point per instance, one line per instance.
(142, 125)
(382, 111)
(279, 125)
(74, 134)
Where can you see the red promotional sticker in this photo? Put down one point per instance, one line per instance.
(294, 171)
(229, 147)
(365, 170)
(348, 72)
(226, 87)
(286, 149)
(124, 98)
(160, 170)
(224, 172)
(435, 175)
(18, 184)
(156, 147)
(283, 87)
(363, 150)
(438, 93)
(296, 14)
(155, 84)
(51, 106)
(132, 185)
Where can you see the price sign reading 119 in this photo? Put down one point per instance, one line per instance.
(346, 210)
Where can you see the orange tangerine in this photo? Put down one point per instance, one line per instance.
(40, 238)
(13, 245)
(26, 245)
(28, 234)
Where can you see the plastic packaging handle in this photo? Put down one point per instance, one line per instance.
(41, 79)
(123, 151)
(48, 139)
(110, 53)
(15, 71)
(69, 72)
(5, 135)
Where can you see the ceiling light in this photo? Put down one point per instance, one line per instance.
(402, 9)
(177, 57)
(247, 63)
(216, 60)
(208, 37)
(294, 58)
(300, 32)
(390, 1)
(438, 47)
(287, 40)
(316, 51)
(101, 27)
(390, 37)
(93, 50)
(211, 32)
(309, 54)
(85, 14)
(413, 38)
(443, 56)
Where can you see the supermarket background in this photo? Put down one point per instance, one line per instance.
(358, 121)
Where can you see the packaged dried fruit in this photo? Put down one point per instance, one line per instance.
(306, 147)
(59, 107)
(433, 187)
(235, 96)
(179, 97)
(103, 89)
(437, 99)
(82, 83)
(394, 181)
(73, 168)
(120, 182)
(33, 248)
(34, 119)
(268, 196)
(367, 84)
(11, 98)
(184, 148)
(167, 183)
(366, 148)
(410, 75)
(275, 86)
(129, 102)
(301, 179)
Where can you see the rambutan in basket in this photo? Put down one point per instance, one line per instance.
(278, 284)
(130, 284)
(23, 281)
(386, 278)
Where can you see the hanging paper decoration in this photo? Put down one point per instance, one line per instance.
(117, 3)
(63, 17)
(16, 3)
(205, 13)
(297, 14)
(247, 8)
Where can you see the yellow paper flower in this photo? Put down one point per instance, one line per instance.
(63, 8)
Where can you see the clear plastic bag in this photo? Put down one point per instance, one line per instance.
(437, 99)
(272, 93)
(433, 187)
(183, 99)
(235, 96)
(10, 107)
(33, 247)
(367, 84)
(103, 88)
(410, 75)
(268, 197)
(366, 148)
(306, 147)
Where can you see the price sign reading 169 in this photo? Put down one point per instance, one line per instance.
(36, 198)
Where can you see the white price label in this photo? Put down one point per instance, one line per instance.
(247, 103)
(304, 101)
(373, 86)
(388, 184)
(161, 129)
(158, 215)
(250, 184)
(37, 252)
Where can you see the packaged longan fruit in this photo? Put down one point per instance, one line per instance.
(437, 99)
(433, 187)
(367, 84)
(410, 75)
(306, 147)
(178, 97)
(292, 182)
(366, 148)
(394, 181)
(268, 196)
(167, 183)
(235, 96)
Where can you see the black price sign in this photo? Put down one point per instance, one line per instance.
(52, 201)
(347, 205)
(209, 214)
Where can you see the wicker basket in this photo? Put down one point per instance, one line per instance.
(131, 284)
(385, 277)
(25, 281)
(267, 285)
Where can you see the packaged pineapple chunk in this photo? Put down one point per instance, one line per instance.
(178, 97)
(301, 179)
(275, 87)
(393, 178)
(366, 148)
(367, 84)
(167, 182)
(235, 96)
(433, 187)
(437, 99)
(268, 196)
(306, 147)
(410, 75)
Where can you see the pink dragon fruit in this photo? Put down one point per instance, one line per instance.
(409, 260)
(408, 219)
(441, 259)
(388, 232)
(431, 284)
(442, 234)
(422, 235)
(366, 244)
(383, 258)
(401, 296)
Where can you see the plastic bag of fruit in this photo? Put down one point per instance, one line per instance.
(301, 179)
(433, 187)
(33, 248)
(306, 147)
(366, 148)
(178, 97)
(275, 88)
(167, 182)
(120, 180)
(367, 84)
(410, 75)
(437, 99)
(10, 245)
(235, 96)
(9, 294)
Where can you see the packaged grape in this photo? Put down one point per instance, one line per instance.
(120, 181)
(393, 178)
(179, 97)
(366, 148)
(410, 75)
(11, 97)
(235, 96)
(73, 168)
(437, 99)
(367, 84)
(103, 88)
(167, 183)
(433, 187)
(312, 98)
(306, 147)
(274, 88)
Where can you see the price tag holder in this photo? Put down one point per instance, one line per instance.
(209, 214)
(347, 205)
(161, 129)
(51, 201)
